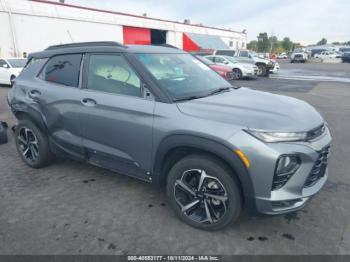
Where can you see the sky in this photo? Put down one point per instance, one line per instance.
(304, 21)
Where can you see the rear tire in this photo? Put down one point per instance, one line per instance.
(211, 204)
(32, 145)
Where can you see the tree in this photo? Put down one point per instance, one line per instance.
(253, 45)
(323, 41)
(287, 44)
(263, 42)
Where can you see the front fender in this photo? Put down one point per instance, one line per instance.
(221, 149)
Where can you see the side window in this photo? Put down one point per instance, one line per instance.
(63, 69)
(219, 60)
(210, 58)
(243, 54)
(112, 74)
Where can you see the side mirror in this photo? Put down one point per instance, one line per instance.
(5, 66)
(225, 62)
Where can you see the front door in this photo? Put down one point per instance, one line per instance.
(116, 118)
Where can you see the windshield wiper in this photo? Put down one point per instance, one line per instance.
(187, 98)
(219, 90)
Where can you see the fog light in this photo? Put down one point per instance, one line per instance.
(286, 166)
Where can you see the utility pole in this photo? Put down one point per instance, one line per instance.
(12, 28)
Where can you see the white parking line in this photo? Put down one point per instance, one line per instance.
(311, 78)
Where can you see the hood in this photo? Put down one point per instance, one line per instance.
(255, 109)
(16, 70)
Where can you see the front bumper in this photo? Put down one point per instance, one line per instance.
(263, 157)
(250, 73)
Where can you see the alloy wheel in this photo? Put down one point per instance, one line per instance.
(201, 197)
(237, 74)
(28, 144)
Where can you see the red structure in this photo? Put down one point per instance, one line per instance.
(188, 45)
(136, 35)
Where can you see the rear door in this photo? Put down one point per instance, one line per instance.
(57, 92)
(116, 118)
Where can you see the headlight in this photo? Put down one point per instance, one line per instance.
(270, 137)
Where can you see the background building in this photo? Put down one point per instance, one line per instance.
(28, 26)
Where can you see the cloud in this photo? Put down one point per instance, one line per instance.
(305, 21)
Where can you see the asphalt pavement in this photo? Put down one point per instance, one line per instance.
(74, 208)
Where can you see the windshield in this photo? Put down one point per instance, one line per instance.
(253, 54)
(17, 63)
(182, 75)
(231, 59)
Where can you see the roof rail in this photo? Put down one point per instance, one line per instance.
(85, 44)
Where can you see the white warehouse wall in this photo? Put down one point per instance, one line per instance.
(50, 31)
(38, 25)
(6, 43)
(174, 38)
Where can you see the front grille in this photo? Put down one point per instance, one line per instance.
(319, 168)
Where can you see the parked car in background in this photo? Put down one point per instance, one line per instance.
(282, 56)
(298, 56)
(345, 57)
(162, 116)
(343, 50)
(327, 55)
(240, 70)
(264, 65)
(10, 69)
(223, 70)
(317, 51)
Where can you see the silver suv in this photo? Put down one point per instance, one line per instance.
(160, 115)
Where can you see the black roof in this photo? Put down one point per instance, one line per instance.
(108, 47)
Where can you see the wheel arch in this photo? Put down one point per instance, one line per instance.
(32, 115)
(175, 147)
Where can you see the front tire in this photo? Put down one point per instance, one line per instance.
(12, 80)
(262, 70)
(237, 74)
(203, 192)
(32, 145)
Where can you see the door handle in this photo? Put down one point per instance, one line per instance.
(34, 93)
(88, 102)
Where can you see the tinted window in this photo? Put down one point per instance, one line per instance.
(210, 58)
(63, 69)
(112, 74)
(219, 60)
(225, 52)
(243, 54)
